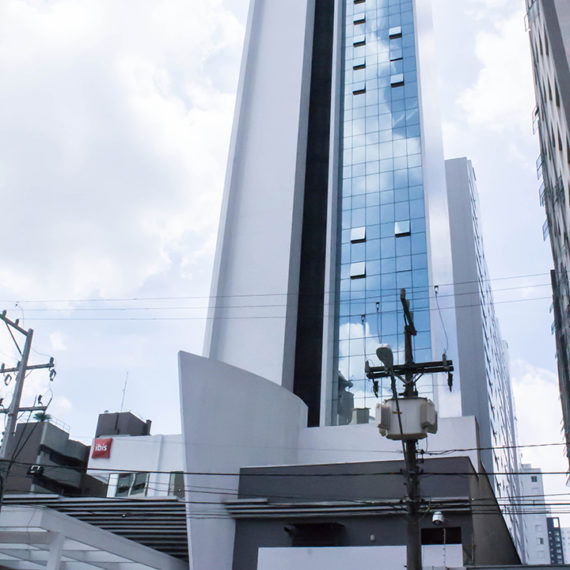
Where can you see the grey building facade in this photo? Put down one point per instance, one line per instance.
(486, 391)
(321, 506)
(549, 25)
(46, 460)
(121, 423)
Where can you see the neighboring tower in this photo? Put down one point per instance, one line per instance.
(549, 23)
(555, 540)
(486, 391)
(335, 199)
(536, 532)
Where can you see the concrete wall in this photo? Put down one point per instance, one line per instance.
(141, 453)
(392, 557)
(362, 442)
(230, 418)
(492, 542)
(474, 397)
(259, 242)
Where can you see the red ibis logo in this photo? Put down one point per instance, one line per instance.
(102, 448)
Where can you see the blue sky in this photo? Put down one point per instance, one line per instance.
(115, 126)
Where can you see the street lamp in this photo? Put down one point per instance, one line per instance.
(386, 356)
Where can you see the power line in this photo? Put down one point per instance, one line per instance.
(297, 474)
(263, 317)
(386, 294)
(115, 299)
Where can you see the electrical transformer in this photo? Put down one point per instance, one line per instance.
(406, 418)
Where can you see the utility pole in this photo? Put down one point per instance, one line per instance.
(15, 408)
(409, 373)
(414, 550)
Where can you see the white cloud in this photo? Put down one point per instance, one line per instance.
(60, 405)
(502, 97)
(57, 342)
(116, 121)
(481, 8)
(539, 415)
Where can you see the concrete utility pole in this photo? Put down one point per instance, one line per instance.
(15, 408)
(409, 373)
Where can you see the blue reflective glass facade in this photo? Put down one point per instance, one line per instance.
(383, 223)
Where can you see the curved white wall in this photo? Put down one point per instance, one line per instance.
(230, 419)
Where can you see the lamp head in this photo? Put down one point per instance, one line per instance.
(385, 355)
(437, 518)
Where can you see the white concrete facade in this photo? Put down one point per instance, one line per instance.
(157, 455)
(252, 321)
(536, 532)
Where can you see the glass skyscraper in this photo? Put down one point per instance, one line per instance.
(335, 201)
(383, 230)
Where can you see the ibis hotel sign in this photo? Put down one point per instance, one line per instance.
(102, 448)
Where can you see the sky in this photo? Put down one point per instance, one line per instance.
(115, 119)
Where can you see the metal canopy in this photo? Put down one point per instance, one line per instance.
(40, 538)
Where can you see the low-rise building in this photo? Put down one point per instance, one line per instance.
(134, 463)
(536, 530)
(45, 460)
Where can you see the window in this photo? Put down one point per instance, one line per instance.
(540, 540)
(359, 19)
(402, 229)
(176, 484)
(358, 234)
(359, 64)
(534, 479)
(358, 270)
(397, 80)
(395, 32)
(131, 484)
(359, 89)
(361, 41)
